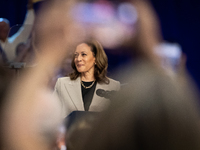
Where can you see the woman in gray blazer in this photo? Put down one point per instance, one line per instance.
(87, 87)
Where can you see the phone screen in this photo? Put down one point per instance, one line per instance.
(110, 23)
(170, 54)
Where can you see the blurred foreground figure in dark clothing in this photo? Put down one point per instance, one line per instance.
(31, 114)
(152, 112)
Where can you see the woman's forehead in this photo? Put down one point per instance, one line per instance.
(82, 47)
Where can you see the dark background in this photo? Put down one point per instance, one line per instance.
(180, 23)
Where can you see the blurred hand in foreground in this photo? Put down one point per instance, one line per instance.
(32, 114)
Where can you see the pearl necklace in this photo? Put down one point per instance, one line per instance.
(87, 87)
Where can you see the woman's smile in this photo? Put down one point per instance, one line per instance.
(84, 58)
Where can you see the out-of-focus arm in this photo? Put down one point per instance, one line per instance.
(21, 36)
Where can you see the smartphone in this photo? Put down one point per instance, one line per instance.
(170, 54)
(110, 22)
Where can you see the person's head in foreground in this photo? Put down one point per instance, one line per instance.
(151, 112)
(4, 29)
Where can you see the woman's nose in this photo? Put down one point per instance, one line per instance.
(79, 58)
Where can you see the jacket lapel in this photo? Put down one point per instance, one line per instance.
(74, 91)
(97, 100)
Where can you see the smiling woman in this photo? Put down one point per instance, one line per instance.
(78, 91)
(84, 61)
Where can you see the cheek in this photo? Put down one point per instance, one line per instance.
(94, 60)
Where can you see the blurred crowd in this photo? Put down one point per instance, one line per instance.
(157, 106)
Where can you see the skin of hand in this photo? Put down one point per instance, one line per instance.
(148, 31)
(30, 108)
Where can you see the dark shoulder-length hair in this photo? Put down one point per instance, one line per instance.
(101, 65)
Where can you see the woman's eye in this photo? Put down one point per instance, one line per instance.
(75, 55)
(83, 54)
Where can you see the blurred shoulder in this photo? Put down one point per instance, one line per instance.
(112, 81)
(114, 84)
(64, 79)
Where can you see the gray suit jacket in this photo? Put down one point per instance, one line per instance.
(69, 93)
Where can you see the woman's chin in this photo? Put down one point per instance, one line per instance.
(81, 71)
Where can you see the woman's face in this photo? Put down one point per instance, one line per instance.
(84, 59)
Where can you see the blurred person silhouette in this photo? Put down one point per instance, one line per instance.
(8, 44)
(78, 128)
(6, 79)
(3, 57)
(75, 128)
(25, 52)
(31, 115)
(152, 112)
(79, 90)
